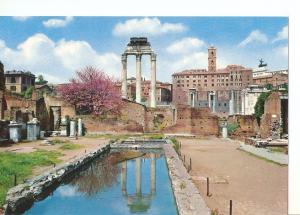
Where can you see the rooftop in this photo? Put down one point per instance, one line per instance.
(205, 72)
(19, 72)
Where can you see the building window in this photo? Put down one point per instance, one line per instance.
(13, 88)
(12, 80)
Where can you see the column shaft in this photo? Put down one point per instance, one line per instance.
(138, 184)
(153, 173)
(153, 81)
(138, 87)
(124, 177)
(124, 76)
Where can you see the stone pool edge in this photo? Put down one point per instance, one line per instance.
(22, 196)
(188, 198)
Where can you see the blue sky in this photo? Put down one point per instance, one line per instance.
(58, 46)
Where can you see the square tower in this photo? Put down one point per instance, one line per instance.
(212, 59)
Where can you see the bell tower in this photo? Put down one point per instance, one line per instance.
(212, 59)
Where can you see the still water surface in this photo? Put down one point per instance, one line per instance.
(110, 185)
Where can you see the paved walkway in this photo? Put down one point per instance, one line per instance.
(256, 186)
(266, 153)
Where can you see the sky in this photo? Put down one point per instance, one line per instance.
(56, 47)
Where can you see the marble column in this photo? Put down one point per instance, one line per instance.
(231, 103)
(214, 102)
(79, 126)
(138, 87)
(138, 178)
(153, 81)
(56, 117)
(124, 76)
(209, 100)
(72, 128)
(124, 177)
(243, 95)
(153, 173)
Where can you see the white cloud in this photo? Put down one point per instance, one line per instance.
(185, 45)
(149, 26)
(58, 23)
(282, 51)
(21, 18)
(254, 36)
(57, 61)
(282, 35)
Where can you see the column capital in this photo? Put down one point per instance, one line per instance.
(138, 57)
(153, 57)
(124, 57)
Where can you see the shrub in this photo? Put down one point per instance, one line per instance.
(232, 127)
(260, 104)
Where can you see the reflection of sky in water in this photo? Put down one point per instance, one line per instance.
(67, 200)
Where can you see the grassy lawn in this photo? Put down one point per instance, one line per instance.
(22, 164)
(278, 149)
(70, 146)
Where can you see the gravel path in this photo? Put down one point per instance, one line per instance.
(256, 186)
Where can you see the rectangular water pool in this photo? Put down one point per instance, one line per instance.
(121, 182)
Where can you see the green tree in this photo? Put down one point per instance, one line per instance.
(269, 86)
(260, 104)
(28, 92)
(41, 80)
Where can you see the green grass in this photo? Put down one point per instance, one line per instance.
(58, 141)
(22, 164)
(278, 149)
(70, 146)
(175, 144)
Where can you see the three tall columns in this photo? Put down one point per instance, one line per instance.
(138, 91)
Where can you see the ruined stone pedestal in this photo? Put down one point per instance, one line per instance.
(33, 130)
(15, 131)
(223, 127)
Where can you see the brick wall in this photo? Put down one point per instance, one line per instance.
(272, 114)
(198, 121)
(247, 125)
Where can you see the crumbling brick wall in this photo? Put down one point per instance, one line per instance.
(16, 104)
(66, 108)
(198, 121)
(271, 117)
(247, 125)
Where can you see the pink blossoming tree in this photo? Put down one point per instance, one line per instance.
(92, 92)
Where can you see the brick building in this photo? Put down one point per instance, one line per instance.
(218, 89)
(18, 81)
(275, 78)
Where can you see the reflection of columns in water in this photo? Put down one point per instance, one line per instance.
(152, 173)
(138, 176)
(138, 86)
(124, 177)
